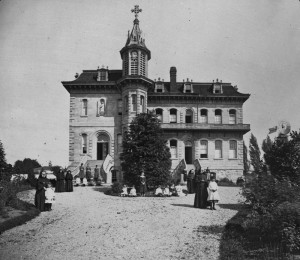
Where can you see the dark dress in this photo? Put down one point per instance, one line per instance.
(69, 182)
(88, 173)
(143, 186)
(40, 197)
(60, 183)
(190, 182)
(201, 191)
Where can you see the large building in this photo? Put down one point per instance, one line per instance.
(200, 120)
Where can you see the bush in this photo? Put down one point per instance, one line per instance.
(226, 182)
(240, 181)
(116, 188)
(8, 193)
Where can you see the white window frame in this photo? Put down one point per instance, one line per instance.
(203, 149)
(218, 152)
(203, 119)
(232, 149)
(174, 149)
(173, 117)
(218, 118)
(84, 107)
(232, 117)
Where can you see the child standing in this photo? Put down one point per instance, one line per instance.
(50, 197)
(213, 195)
(124, 191)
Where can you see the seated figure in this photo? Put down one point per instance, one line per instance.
(84, 182)
(124, 191)
(158, 191)
(77, 181)
(167, 192)
(178, 189)
(132, 192)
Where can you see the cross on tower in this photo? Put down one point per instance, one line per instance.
(136, 11)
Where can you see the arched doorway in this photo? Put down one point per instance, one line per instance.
(188, 152)
(102, 146)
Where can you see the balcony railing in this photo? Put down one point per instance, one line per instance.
(198, 126)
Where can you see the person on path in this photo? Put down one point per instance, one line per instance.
(69, 181)
(143, 186)
(88, 171)
(190, 181)
(41, 186)
(50, 197)
(60, 181)
(97, 178)
(201, 190)
(213, 194)
(81, 173)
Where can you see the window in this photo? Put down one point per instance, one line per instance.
(84, 143)
(173, 148)
(173, 115)
(120, 106)
(189, 116)
(120, 140)
(125, 61)
(142, 64)
(142, 102)
(232, 149)
(203, 149)
(159, 114)
(134, 63)
(218, 116)
(159, 88)
(217, 88)
(133, 97)
(84, 107)
(103, 75)
(188, 88)
(203, 116)
(218, 149)
(232, 116)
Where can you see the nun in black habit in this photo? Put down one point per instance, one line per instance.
(201, 190)
(60, 181)
(69, 181)
(190, 181)
(42, 183)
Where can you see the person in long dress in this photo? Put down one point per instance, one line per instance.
(88, 171)
(41, 187)
(213, 194)
(190, 181)
(201, 191)
(143, 186)
(60, 181)
(81, 173)
(69, 181)
(97, 177)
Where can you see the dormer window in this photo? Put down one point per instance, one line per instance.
(102, 75)
(159, 88)
(188, 88)
(217, 88)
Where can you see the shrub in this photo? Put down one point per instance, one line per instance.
(240, 181)
(226, 182)
(116, 188)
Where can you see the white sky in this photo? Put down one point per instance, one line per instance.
(253, 44)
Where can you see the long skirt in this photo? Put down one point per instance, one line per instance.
(69, 185)
(60, 186)
(39, 200)
(201, 195)
(190, 186)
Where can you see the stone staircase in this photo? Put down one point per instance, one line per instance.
(189, 167)
(93, 163)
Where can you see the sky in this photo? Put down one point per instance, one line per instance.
(253, 44)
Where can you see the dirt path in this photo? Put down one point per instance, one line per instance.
(87, 224)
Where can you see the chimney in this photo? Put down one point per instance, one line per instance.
(173, 86)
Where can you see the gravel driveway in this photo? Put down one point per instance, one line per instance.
(87, 224)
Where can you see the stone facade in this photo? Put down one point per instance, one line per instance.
(200, 120)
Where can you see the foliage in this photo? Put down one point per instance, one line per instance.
(240, 181)
(6, 169)
(55, 169)
(245, 159)
(26, 167)
(145, 149)
(267, 144)
(254, 153)
(226, 182)
(116, 188)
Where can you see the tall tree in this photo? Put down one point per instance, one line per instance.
(267, 144)
(26, 167)
(5, 169)
(254, 154)
(145, 149)
(245, 159)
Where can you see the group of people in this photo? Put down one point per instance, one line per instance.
(205, 188)
(45, 196)
(85, 176)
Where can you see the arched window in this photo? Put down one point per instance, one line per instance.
(232, 116)
(84, 111)
(84, 143)
(142, 64)
(218, 116)
(203, 116)
(173, 148)
(203, 149)
(232, 149)
(142, 102)
(173, 115)
(218, 149)
(120, 140)
(159, 114)
(189, 116)
(133, 99)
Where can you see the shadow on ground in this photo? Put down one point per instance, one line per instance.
(183, 205)
(231, 206)
(103, 189)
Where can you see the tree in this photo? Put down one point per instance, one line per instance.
(26, 167)
(245, 159)
(254, 154)
(283, 158)
(267, 144)
(145, 149)
(5, 169)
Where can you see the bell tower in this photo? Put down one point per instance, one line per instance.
(134, 83)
